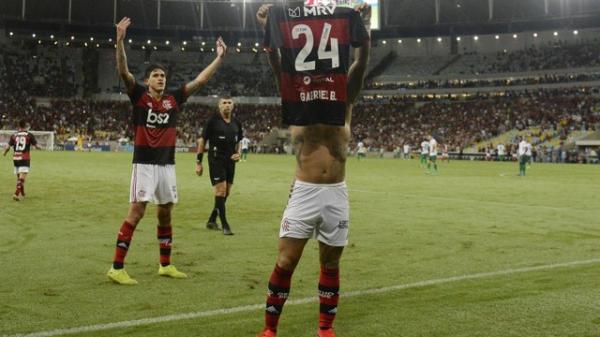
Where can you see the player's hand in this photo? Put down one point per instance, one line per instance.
(262, 13)
(122, 28)
(221, 47)
(365, 13)
(235, 157)
(199, 169)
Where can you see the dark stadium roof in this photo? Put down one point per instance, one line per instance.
(186, 18)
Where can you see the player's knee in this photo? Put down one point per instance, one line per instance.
(287, 262)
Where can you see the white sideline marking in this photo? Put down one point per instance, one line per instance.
(245, 308)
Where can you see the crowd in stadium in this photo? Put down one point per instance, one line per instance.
(383, 123)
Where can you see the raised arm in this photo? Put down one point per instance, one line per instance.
(209, 71)
(272, 55)
(356, 74)
(126, 76)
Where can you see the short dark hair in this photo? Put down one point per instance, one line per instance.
(227, 97)
(152, 67)
(22, 124)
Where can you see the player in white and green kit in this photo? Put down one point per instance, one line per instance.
(245, 143)
(433, 152)
(424, 153)
(524, 148)
(501, 151)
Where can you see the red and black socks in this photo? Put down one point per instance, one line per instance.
(123, 241)
(277, 294)
(329, 287)
(165, 240)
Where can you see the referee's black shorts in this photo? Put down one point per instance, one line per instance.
(221, 169)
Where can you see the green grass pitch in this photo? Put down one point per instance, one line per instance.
(406, 227)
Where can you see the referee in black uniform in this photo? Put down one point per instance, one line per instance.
(223, 134)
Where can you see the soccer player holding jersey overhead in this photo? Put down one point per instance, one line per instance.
(155, 115)
(309, 52)
(21, 143)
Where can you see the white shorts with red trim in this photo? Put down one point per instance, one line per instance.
(153, 183)
(319, 209)
(21, 169)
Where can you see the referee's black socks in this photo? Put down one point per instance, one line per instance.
(220, 207)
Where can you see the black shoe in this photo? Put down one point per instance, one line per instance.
(212, 226)
(227, 230)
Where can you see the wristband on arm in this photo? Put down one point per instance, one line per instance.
(199, 157)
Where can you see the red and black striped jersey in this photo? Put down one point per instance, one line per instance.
(154, 124)
(314, 42)
(21, 143)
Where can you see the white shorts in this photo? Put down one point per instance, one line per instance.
(155, 183)
(321, 209)
(21, 169)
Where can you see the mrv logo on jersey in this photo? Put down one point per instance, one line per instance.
(313, 8)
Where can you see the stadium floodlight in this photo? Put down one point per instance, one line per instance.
(418, 40)
(399, 41)
(149, 42)
(185, 43)
(212, 50)
(203, 43)
(182, 49)
(384, 42)
(535, 34)
(515, 36)
(72, 37)
(97, 45)
(167, 42)
(52, 36)
(92, 38)
(476, 38)
(458, 38)
(144, 47)
(555, 33)
(110, 39)
(33, 35)
(155, 48)
(439, 39)
(575, 32)
(497, 37)
(55, 43)
(256, 44)
(130, 41)
(11, 33)
(202, 49)
(239, 44)
(238, 50)
(85, 44)
(67, 43)
(39, 41)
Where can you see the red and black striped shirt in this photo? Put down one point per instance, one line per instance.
(154, 124)
(21, 143)
(315, 57)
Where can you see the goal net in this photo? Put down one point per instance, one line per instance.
(45, 139)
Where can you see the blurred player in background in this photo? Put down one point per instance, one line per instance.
(318, 89)
(21, 143)
(523, 157)
(501, 151)
(424, 156)
(361, 150)
(155, 115)
(223, 133)
(433, 152)
(245, 144)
